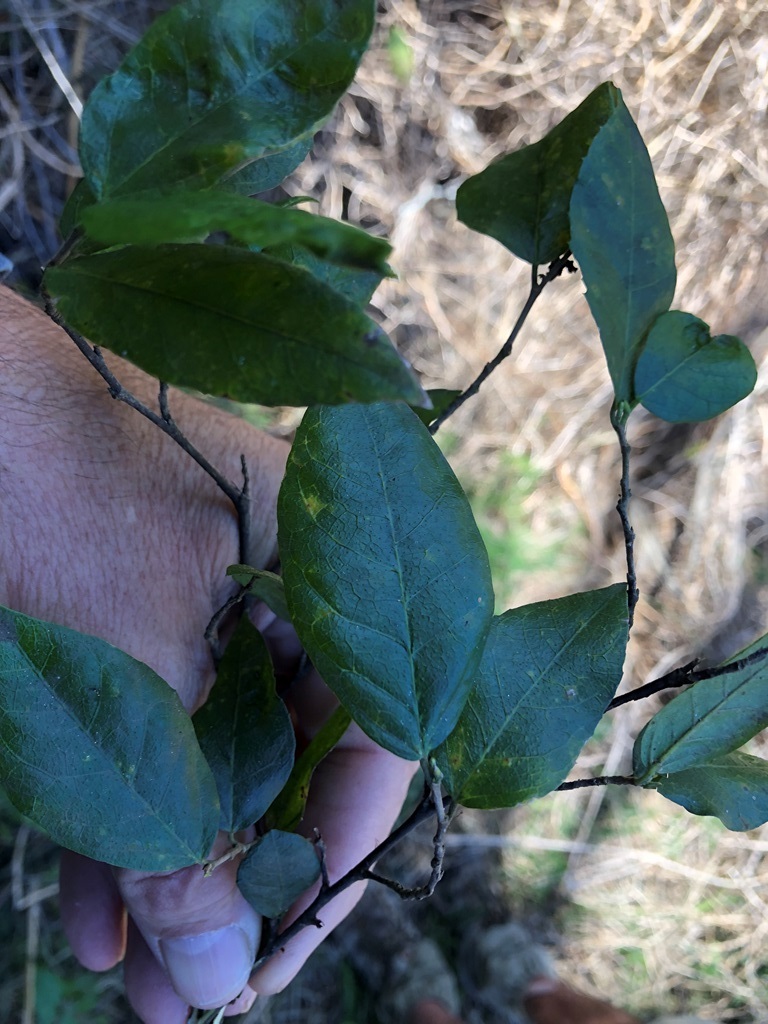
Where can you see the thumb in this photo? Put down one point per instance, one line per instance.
(199, 928)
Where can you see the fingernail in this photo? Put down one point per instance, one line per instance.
(210, 969)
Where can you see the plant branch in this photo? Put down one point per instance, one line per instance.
(619, 423)
(538, 284)
(601, 780)
(362, 872)
(239, 496)
(686, 675)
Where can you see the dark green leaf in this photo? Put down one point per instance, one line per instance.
(245, 731)
(213, 85)
(522, 199)
(231, 322)
(711, 718)
(386, 575)
(288, 808)
(733, 788)
(192, 216)
(684, 375)
(440, 398)
(621, 240)
(277, 871)
(548, 672)
(266, 586)
(80, 199)
(98, 751)
(269, 171)
(356, 285)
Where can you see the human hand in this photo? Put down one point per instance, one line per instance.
(136, 538)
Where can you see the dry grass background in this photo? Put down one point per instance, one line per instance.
(653, 908)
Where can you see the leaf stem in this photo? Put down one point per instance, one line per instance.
(538, 284)
(239, 496)
(601, 780)
(685, 675)
(362, 872)
(619, 416)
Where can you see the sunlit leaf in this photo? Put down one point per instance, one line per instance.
(216, 83)
(245, 731)
(231, 322)
(98, 751)
(191, 217)
(353, 283)
(522, 199)
(684, 375)
(709, 719)
(548, 672)
(386, 575)
(621, 240)
(269, 171)
(733, 788)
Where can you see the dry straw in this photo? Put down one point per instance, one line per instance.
(477, 79)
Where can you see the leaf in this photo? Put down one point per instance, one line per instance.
(440, 398)
(193, 216)
(264, 585)
(267, 172)
(355, 284)
(245, 731)
(98, 751)
(684, 375)
(522, 199)
(217, 83)
(621, 240)
(547, 674)
(230, 322)
(288, 808)
(79, 200)
(733, 788)
(277, 871)
(386, 576)
(709, 719)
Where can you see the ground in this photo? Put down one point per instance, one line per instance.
(634, 899)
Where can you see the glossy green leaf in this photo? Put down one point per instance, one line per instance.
(386, 575)
(684, 375)
(353, 283)
(98, 751)
(709, 719)
(264, 585)
(733, 788)
(231, 322)
(547, 674)
(287, 809)
(269, 171)
(277, 871)
(216, 83)
(245, 731)
(440, 398)
(192, 216)
(522, 199)
(621, 240)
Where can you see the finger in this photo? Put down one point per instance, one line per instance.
(147, 986)
(199, 928)
(91, 911)
(356, 795)
(548, 1001)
